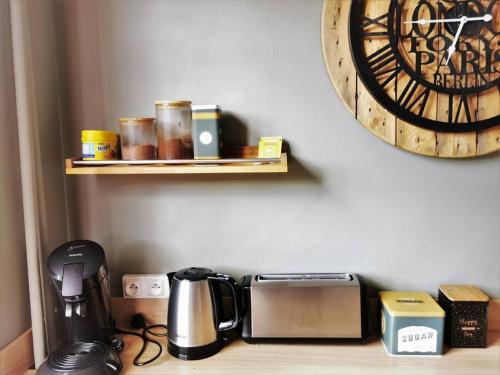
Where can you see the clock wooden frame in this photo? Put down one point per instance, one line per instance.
(375, 117)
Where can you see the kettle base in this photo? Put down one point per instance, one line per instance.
(195, 352)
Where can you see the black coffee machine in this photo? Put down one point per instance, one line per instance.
(80, 279)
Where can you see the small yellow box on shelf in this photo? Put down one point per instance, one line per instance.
(270, 147)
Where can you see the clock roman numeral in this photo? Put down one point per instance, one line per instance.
(383, 62)
(462, 106)
(375, 26)
(411, 96)
(394, 73)
(380, 59)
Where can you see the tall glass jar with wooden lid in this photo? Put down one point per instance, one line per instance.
(138, 138)
(173, 121)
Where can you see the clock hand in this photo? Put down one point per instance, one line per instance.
(485, 18)
(452, 48)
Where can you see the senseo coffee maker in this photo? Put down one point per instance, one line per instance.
(80, 279)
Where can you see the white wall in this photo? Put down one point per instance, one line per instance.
(14, 299)
(349, 203)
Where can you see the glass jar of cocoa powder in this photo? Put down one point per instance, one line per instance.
(138, 138)
(173, 120)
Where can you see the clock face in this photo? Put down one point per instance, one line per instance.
(432, 63)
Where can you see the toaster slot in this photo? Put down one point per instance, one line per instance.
(303, 277)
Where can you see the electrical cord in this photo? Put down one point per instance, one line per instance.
(138, 322)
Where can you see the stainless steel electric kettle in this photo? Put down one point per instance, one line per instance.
(195, 312)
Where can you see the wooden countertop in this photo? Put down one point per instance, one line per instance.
(241, 358)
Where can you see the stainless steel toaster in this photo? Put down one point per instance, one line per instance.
(304, 306)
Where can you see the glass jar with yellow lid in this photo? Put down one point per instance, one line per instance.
(173, 120)
(138, 138)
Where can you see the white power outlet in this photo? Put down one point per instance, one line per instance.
(132, 286)
(154, 286)
(145, 286)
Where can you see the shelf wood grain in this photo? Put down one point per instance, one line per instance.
(17, 356)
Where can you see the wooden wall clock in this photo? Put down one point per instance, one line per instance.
(423, 75)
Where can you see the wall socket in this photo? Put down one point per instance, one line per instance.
(145, 286)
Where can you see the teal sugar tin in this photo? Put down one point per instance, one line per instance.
(412, 323)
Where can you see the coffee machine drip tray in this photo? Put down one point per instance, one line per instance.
(82, 358)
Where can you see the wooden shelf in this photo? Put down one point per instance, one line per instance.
(241, 160)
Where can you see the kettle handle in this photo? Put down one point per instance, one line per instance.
(232, 284)
(170, 277)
